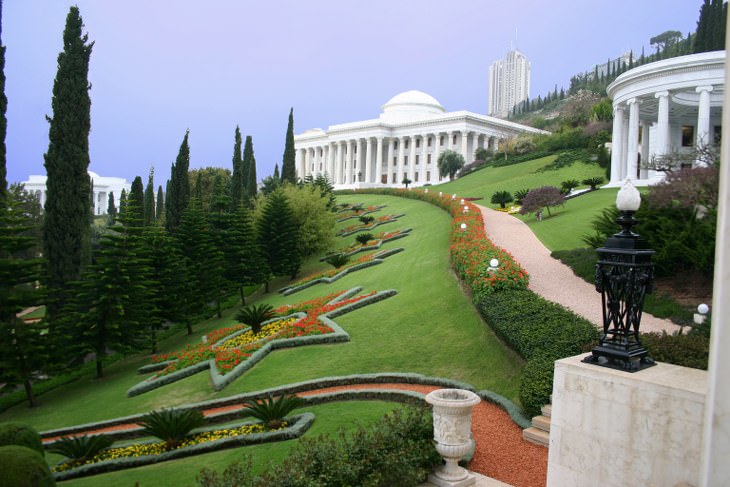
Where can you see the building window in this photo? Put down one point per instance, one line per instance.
(415, 176)
(428, 159)
(454, 141)
(394, 178)
(418, 143)
(717, 135)
(428, 175)
(441, 140)
(384, 179)
(406, 144)
(428, 142)
(405, 160)
(418, 160)
(395, 160)
(395, 144)
(688, 136)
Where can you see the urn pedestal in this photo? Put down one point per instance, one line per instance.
(452, 433)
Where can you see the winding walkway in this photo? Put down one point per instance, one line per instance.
(549, 277)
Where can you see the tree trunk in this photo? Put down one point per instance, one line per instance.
(29, 393)
(190, 327)
(99, 366)
(243, 295)
(266, 287)
(219, 313)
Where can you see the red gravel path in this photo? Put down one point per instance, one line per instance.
(500, 453)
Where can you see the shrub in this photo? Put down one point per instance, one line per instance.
(501, 198)
(569, 185)
(364, 238)
(337, 260)
(365, 219)
(21, 434)
(273, 411)
(80, 448)
(520, 195)
(540, 198)
(23, 467)
(254, 315)
(171, 425)
(540, 331)
(593, 182)
(691, 350)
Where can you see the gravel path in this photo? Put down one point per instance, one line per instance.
(549, 277)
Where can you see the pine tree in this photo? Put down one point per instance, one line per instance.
(168, 295)
(249, 166)
(149, 199)
(111, 209)
(238, 183)
(198, 189)
(278, 234)
(134, 211)
(67, 212)
(276, 172)
(3, 119)
(22, 346)
(159, 209)
(122, 205)
(248, 265)
(288, 162)
(178, 191)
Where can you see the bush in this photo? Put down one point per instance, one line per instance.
(540, 331)
(171, 425)
(21, 434)
(364, 238)
(255, 314)
(81, 448)
(520, 195)
(23, 467)
(692, 350)
(593, 182)
(272, 411)
(398, 450)
(501, 198)
(366, 219)
(569, 185)
(337, 261)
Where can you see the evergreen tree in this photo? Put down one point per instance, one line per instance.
(149, 199)
(22, 346)
(66, 228)
(249, 165)
(238, 182)
(169, 295)
(3, 119)
(111, 209)
(278, 234)
(134, 210)
(248, 266)
(178, 191)
(123, 205)
(288, 163)
(198, 189)
(160, 204)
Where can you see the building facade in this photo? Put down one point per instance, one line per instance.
(509, 83)
(404, 142)
(668, 107)
(103, 186)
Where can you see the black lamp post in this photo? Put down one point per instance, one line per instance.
(624, 275)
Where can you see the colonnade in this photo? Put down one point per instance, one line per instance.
(379, 159)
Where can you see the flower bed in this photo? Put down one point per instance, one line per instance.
(357, 212)
(233, 354)
(381, 220)
(332, 275)
(375, 243)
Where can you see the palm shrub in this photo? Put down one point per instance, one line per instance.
(337, 260)
(364, 238)
(172, 425)
(520, 195)
(81, 448)
(593, 182)
(255, 314)
(568, 185)
(272, 411)
(366, 219)
(501, 198)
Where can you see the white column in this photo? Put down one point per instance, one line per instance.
(368, 160)
(412, 159)
(331, 161)
(358, 167)
(703, 116)
(305, 160)
(299, 163)
(349, 160)
(424, 160)
(644, 149)
(378, 159)
(662, 138)
(632, 152)
(475, 145)
(435, 159)
(624, 148)
(464, 146)
(401, 153)
(390, 165)
(715, 467)
(449, 135)
(616, 144)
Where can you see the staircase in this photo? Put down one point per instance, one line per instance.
(539, 432)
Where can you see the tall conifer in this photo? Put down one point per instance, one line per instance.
(249, 165)
(238, 182)
(149, 199)
(160, 204)
(67, 211)
(288, 162)
(134, 214)
(178, 191)
(278, 233)
(3, 119)
(111, 209)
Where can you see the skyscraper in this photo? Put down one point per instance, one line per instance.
(509, 83)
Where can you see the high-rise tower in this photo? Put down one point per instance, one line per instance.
(509, 83)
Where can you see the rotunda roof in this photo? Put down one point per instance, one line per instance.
(411, 104)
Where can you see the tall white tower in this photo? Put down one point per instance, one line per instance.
(509, 83)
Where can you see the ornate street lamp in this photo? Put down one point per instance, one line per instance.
(624, 275)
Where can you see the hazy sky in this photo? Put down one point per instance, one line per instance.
(159, 67)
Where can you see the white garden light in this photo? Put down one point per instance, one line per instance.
(463, 227)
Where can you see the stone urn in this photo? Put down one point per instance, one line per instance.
(452, 433)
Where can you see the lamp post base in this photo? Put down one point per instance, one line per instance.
(631, 359)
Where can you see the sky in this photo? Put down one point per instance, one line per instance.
(159, 68)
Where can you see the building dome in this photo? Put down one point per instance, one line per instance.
(411, 104)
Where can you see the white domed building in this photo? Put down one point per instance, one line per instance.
(103, 186)
(404, 141)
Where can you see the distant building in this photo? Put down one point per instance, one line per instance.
(611, 66)
(509, 83)
(102, 187)
(405, 141)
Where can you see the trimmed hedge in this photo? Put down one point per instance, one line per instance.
(541, 332)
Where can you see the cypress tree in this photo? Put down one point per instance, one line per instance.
(278, 234)
(288, 162)
(160, 204)
(237, 182)
(67, 212)
(703, 28)
(276, 172)
(249, 165)
(134, 211)
(111, 209)
(178, 192)
(122, 205)
(3, 119)
(149, 200)
(198, 189)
